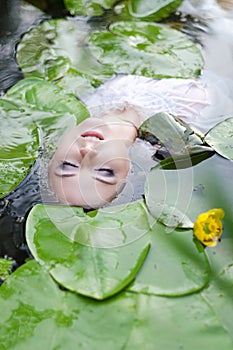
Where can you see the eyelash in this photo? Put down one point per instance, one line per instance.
(67, 169)
(65, 163)
(106, 172)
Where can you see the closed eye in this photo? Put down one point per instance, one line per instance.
(67, 169)
(106, 172)
(106, 175)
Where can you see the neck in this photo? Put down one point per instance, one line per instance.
(128, 114)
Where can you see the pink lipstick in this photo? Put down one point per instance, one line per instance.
(93, 133)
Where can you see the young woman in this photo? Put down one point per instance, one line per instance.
(91, 163)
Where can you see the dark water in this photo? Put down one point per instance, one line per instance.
(17, 17)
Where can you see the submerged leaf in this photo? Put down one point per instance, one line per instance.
(95, 255)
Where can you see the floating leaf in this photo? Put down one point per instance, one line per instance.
(168, 195)
(174, 266)
(62, 53)
(45, 104)
(32, 107)
(177, 197)
(157, 9)
(6, 265)
(49, 317)
(19, 148)
(186, 160)
(220, 138)
(177, 323)
(37, 314)
(219, 292)
(175, 135)
(146, 49)
(88, 8)
(96, 254)
(130, 47)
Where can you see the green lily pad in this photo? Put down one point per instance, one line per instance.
(88, 8)
(6, 265)
(50, 317)
(220, 138)
(174, 266)
(187, 160)
(168, 194)
(219, 292)
(177, 140)
(177, 323)
(175, 135)
(62, 53)
(31, 110)
(70, 52)
(177, 197)
(157, 8)
(45, 104)
(95, 255)
(19, 148)
(146, 49)
(37, 314)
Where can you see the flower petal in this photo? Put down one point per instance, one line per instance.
(208, 227)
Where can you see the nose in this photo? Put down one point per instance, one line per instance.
(88, 148)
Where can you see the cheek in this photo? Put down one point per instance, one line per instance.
(63, 187)
(123, 167)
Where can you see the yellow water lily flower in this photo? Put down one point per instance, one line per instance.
(208, 227)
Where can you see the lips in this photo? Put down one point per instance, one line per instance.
(93, 134)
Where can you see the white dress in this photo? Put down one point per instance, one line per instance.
(201, 103)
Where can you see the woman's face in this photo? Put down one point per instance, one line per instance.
(91, 163)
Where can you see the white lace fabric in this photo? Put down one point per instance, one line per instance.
(199, 102)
